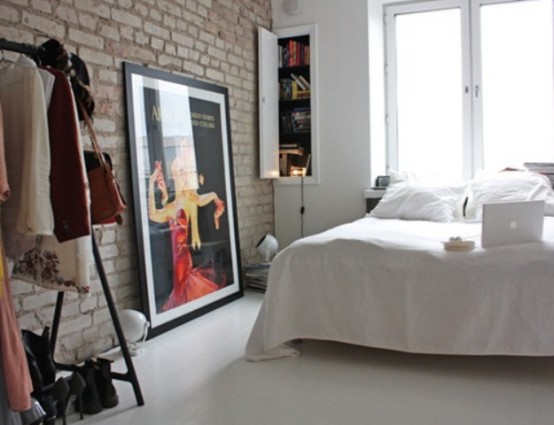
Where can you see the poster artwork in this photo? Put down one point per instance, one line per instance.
(183, 192)
(186, 199)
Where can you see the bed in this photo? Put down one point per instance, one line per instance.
(386, 280)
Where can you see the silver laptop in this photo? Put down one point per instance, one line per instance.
(506, 223)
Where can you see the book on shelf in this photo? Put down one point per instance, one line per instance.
(289, 89)
(293, 162)
(285, 89)
(294, 90)
(298, 81)
(299, 94)
(291, 151)
(305, 82)
(297, 120)
(292, 48)
(294, 53)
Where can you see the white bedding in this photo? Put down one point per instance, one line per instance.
(390, 284)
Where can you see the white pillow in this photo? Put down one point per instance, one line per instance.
(401, 177)
(412, 201)
(505, 187)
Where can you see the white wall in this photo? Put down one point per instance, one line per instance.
(344, 118)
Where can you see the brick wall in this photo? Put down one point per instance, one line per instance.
(210, 40)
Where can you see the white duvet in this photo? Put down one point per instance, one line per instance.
(391, 284)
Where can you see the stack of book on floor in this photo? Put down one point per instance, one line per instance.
(255, 276)
(545, 168)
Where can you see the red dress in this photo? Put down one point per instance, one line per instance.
(189, 283)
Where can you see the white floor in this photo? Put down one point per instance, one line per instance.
(196, 374)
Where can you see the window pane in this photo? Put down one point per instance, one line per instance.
(429, 93)
(517, 83)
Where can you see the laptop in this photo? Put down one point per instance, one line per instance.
(506, 223)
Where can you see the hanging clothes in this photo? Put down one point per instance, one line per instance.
(28, 212)
(4, 190)
(46, 261)
(71, 213)
(17, 381)
(48, 79)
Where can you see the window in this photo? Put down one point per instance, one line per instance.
(469, 86)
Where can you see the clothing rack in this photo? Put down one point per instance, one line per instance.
(26, 49)
(130, 376)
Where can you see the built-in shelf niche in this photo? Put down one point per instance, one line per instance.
(288, 104)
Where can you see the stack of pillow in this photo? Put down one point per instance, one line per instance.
(408, 199)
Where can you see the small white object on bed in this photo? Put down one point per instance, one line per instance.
(389, 283)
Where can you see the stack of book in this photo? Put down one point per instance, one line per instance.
(290, 90)
(294, 53)
(297, 120)
(285, 150)
(290, 149)
(255, 276)
(545, 168)
(296, 87)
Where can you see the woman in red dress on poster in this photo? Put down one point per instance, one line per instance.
(189, 282)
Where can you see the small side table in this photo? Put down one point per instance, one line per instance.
(372, 198)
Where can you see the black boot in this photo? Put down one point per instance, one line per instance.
(91, 403)
(34, 371)
(42, 371)
(106, 389)
(39, 346)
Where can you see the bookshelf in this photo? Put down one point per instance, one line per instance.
(288, 104)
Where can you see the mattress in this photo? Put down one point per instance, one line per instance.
(390, 283)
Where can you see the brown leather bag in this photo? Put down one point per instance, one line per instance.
(106, 201)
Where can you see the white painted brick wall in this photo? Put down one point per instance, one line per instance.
(210, 40)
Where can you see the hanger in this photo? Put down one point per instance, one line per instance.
(4, 61)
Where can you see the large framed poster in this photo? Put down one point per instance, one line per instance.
(183, 192)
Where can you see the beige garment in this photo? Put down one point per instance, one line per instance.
(60, 266)
(28, 212)
(48, 79)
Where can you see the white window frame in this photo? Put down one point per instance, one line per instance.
(390, 70)
(473, 159)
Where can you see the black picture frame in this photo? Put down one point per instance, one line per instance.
(183, 195)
